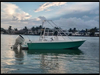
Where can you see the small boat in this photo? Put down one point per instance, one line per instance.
(54, 42)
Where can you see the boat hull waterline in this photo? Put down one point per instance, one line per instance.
(54, 45)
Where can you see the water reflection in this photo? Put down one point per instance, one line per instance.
(49, 63)
(52, 61)
(85, 60)
(19, 56)
(67, 51)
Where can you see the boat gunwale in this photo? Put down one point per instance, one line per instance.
(57, 41)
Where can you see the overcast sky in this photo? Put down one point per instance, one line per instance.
(80, 15)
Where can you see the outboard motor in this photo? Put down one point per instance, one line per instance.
(19, 41)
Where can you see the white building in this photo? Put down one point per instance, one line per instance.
(96, 33)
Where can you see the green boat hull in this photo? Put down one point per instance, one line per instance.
(54, 45)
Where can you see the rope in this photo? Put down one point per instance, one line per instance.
(57, 30)
(60, 29)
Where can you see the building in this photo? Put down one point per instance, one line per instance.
(76, 34)
(30, 31)
(82, 32)
(96, 34)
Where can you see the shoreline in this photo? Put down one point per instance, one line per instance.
(49, 35)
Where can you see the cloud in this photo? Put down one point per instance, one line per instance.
(64, 23)
(47, 10)
(85, 17)
(21, 23)
(12, 15)
(78, 23)
(42, 18)
(8, 8)
(49, 4)
(78, 7)
(96, 18)
(94, 12)
(12, 11)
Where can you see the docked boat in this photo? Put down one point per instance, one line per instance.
(54, 42)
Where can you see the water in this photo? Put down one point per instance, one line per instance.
(82, 60)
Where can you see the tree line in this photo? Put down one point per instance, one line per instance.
(25, 30)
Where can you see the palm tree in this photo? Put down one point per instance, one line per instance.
(74, 30)
(95, 29)
(26, 30)
(92, 32)
(86, 30)
(16, 29)
(40, 26)
(70, 30)
(33, 28)
(9, 29)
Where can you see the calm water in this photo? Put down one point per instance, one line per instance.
(83, 60)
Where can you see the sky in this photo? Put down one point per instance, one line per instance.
(79, 15)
